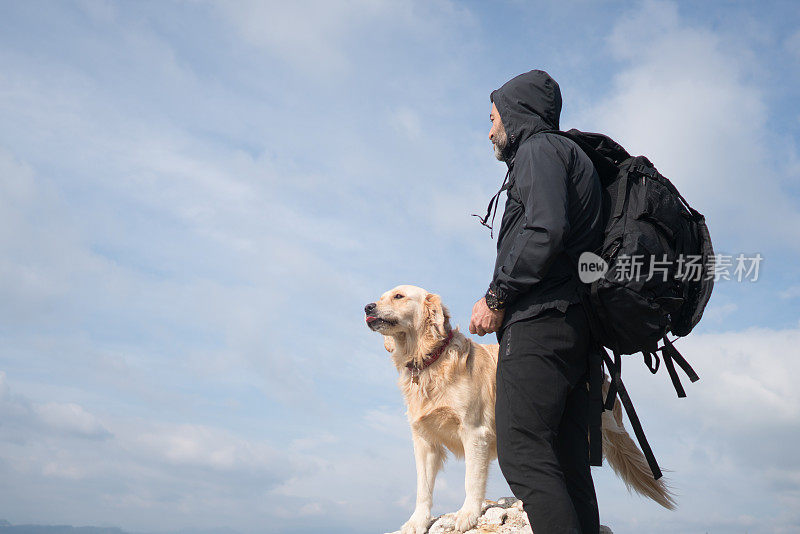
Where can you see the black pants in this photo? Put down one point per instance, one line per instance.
(542, 418)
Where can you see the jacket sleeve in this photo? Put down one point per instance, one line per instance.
(542, 175)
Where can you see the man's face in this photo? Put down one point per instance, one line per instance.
(497, 134)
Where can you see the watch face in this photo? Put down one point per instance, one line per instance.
(492, 301)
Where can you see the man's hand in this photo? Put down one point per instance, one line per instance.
(484, 319)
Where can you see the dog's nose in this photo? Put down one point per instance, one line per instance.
(369, 308)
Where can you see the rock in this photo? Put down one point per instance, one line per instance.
(445, 523)
(493, 516)
(505, 502)
(503, 516)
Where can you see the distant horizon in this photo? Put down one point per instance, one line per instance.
(34, 528)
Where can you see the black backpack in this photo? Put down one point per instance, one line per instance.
(646, 218)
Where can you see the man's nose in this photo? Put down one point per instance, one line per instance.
(369, 308)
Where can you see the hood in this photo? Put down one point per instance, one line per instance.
(528, 104)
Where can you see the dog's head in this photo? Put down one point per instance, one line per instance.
(408, 312)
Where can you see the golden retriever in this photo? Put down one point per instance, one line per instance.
(450, 404)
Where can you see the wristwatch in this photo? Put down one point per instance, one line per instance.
(494, 299)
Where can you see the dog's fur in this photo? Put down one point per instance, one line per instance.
(452, 406)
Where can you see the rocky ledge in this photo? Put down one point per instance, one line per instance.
(503, 516)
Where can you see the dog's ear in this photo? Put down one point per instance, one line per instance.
(388, 343)
(436, 315)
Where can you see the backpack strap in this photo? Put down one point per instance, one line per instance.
(616, 380)
(671, 355)
(597, 358)
(595, 377)
(616, 366)
(622, 191)
(649, 357)
(596, 409)
(606, 168)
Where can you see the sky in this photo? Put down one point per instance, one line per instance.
(198, 198)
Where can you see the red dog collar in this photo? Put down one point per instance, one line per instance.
(429, 360)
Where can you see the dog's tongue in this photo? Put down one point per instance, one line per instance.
(371, 318)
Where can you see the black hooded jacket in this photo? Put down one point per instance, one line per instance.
(553, 210)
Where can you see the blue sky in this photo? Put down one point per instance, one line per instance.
(198, 198)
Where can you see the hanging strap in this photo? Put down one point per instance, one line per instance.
(612, 390)
(595, 387)
(617, 388)
(596, 413)
(671, 355)
(649, 357)
(493, 204)
(644, 445)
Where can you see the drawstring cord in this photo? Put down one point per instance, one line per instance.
(493, 204)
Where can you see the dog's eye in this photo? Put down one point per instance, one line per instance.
(398, 296)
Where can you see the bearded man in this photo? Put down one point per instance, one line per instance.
(552, 214)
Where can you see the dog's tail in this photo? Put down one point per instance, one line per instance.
(627, 460)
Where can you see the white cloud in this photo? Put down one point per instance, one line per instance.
(736, 429)
(50, 418)
(312, 508)
(791, 292)
(307, 33)
(40, 249)
(198, 211)
(202, 446)
(322, 38)
(750, 377)
(717, 312)
(70, 417)
(685, 100)
(181, 471)
(388, 421)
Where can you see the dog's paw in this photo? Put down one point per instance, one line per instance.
(416, 524)
(467, 517)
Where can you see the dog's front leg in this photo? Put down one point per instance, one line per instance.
(476, 456)
(429, 458)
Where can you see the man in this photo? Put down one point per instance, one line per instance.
(552, 214)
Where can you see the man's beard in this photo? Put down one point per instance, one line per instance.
(500, 143)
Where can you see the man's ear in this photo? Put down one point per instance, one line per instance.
(436, 315)
(388, 343)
